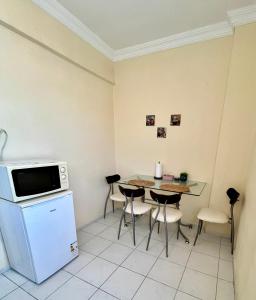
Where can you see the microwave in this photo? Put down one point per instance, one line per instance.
(21, 181)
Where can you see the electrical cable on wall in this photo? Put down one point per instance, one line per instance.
(3, 132)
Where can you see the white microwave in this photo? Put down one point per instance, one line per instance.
(21, 181)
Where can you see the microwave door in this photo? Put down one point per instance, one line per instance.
(34, 181)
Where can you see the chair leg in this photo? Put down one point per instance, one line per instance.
(150, 233)
(143, 198)
(232, 235)
(150, 217)
(125, 224)
(166, 238)
(113, 206)
(178, 230)
(133, 229)
(120, 224)
(158, 228)
(106, 203)
(199, 228)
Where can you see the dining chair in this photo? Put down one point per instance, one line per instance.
(133, 207)
(118, 197)
(215, 216)
(165, 214)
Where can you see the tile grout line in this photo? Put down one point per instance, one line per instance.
(183, 274)
(118, 265)
(50, 293)
(59, 286)
(72, 275)
(113, 225)
(18, 286)
(133, 250)
(10, 291)
(217, 275)
(97, 256)
(99, 289)
(186, 267)
(147, 274)
(157, 257)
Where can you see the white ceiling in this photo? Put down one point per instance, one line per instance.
(125, 23)
(122, 29)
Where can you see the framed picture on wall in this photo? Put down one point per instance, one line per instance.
(150, 120)
(175, 120)
(161, 132)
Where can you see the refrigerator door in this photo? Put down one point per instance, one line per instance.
(51, 231)
(15, 239)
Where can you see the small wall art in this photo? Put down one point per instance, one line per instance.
(161, 132)
(150, 120)
(175, 120)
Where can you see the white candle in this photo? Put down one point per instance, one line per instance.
(158, 170)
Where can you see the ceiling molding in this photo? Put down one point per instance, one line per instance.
(176, 40)
(235, 17)
(243, 15)
(55, 9)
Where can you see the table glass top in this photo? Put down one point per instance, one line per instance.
(189, 187)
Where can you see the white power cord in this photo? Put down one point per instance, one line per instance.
(3, 132)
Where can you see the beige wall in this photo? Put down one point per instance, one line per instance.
(213, 86)
(245, 255)
(35, 22)
(239, 121)
(190, 80)
(239, 136)
(52, 109)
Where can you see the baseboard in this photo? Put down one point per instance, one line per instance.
(4, 269)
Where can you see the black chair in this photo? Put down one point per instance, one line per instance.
(166, 214)
(118, 197)
(133, 207)
(215, 216)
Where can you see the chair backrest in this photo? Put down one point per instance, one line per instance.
(233, 195)
(132, 193)
(165, 199)
(113, 178)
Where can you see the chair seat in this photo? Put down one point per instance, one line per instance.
(212, 215)
(172, 215)
(139, 208)
(117, 197)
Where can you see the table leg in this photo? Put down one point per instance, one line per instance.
(190, 226)
(182, 234)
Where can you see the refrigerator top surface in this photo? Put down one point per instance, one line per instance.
(39, 200)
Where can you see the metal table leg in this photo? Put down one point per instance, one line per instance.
(190, 226)
(182, 234)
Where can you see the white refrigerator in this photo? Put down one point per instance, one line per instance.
(39, 234)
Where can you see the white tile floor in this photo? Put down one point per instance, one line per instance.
(110, 269)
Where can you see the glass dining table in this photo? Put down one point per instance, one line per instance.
(190, 187)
